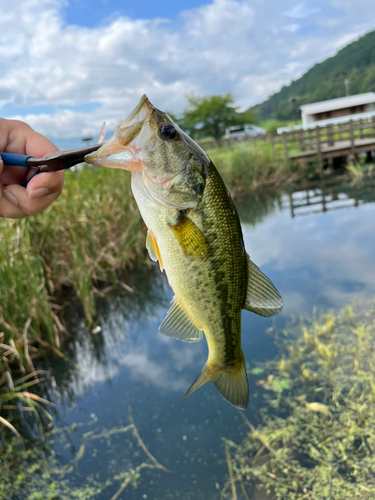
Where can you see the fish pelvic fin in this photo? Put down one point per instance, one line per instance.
(230, 381)
(153, 249)
(178, 325)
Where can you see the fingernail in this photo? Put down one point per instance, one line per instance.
(11, 198)
(38, 193)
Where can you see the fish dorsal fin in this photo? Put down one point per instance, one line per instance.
(153, 249)
(178, 325)
(262, 297)
(190, 237)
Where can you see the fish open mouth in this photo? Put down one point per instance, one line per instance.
(121, 151)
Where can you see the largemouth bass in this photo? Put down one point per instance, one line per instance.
(195, 234)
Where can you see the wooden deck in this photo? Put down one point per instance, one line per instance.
(323, 144)
(341, 148)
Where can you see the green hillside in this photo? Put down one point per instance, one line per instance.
(325, 80)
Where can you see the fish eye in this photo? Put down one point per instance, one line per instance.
(167, 132)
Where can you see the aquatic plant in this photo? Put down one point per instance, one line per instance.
(15, 397)
(38, 473)
(358, 171)
(317, 436)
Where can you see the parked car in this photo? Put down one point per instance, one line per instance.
(240, 132)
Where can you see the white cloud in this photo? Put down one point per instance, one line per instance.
(301, 10)
(248, 48)
(292, 27)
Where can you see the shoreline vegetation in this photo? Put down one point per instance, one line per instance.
(89, 235)
(77, 249)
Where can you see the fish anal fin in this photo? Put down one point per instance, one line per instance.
(190, 237)
(178, 325)
(230, 381)
(153, 249)
(262, 297)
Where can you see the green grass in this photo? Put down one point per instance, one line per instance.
(272, 124)
(248, 166)
(358, 171)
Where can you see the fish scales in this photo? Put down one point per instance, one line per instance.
(195, 234)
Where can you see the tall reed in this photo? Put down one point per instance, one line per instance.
(247, 166)
(89, 233)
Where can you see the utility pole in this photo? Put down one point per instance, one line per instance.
(346, 83)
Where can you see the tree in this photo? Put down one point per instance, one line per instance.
(211, 115)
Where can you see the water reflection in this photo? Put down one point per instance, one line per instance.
(323, 259)
(324, 198)
(92, 355)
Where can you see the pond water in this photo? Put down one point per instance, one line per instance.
(316, 245)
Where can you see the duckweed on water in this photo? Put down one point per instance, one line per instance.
(317, 437)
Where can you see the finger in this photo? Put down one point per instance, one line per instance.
(45, 184)
(1, 174)
(9, 210)
(20, 138)
(18, 197)
(14, 175)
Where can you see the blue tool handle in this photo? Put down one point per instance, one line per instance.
(15, 160)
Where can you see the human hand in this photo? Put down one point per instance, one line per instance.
(16, 201)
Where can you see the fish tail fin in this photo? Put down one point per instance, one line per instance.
(230, 381)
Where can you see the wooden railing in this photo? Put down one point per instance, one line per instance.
(353, 135)
(318, 143)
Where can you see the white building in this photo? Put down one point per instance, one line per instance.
(348, 107)
(339, 110)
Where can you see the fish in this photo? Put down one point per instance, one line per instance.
(194, 233)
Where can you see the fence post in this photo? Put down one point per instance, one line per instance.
(319, 150)
(301, 140)
(285, 145)
(339, 129)
(330, 135)
(272, 142)
(360, 128)
(352, 143)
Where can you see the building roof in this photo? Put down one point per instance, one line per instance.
(342, 102)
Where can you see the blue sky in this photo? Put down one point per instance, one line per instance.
(69, 65)
(100, 12)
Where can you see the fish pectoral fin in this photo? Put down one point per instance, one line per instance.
(178, 325)
(262, 297)
(230, 381)
(190, 237)
(153, 249)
